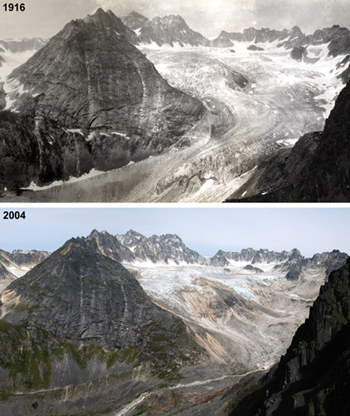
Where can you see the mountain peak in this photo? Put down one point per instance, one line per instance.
(137, 15)
(171, 20)
(103, 17)
(296, 31)
(95, 234)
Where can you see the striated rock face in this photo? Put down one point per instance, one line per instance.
(316, 169)
(313, 378)
(106, 244)
(79, 295)
(167, 30)
(94, 101)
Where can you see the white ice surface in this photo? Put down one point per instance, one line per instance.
(162, 281)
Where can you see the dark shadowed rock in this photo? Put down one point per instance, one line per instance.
(254, 48)
(251, 268)
(298, 53)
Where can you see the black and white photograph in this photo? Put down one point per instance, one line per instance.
(153, 101)
(150, 311)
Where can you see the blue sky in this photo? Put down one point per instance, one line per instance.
(44, 18)
(205, 230)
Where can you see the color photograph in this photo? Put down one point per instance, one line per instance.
(174, 311)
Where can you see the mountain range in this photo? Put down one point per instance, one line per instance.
(173, 30)
(169, 249)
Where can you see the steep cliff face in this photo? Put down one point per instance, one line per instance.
(316, 169)
(95, 101)
(313, 378)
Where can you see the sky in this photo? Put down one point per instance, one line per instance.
(206, 230)
(44, 18)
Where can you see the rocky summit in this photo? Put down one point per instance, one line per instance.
(168, 30)
(89, 99)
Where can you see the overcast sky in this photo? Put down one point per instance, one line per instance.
(44, 18)
(205, 230)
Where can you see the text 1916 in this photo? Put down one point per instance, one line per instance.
(14, 215)
(14, 7)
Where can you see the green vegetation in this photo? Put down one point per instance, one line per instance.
(28, 356)
(4, 395)
(22, 355)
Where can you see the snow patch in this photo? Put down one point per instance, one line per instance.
(93, 172)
